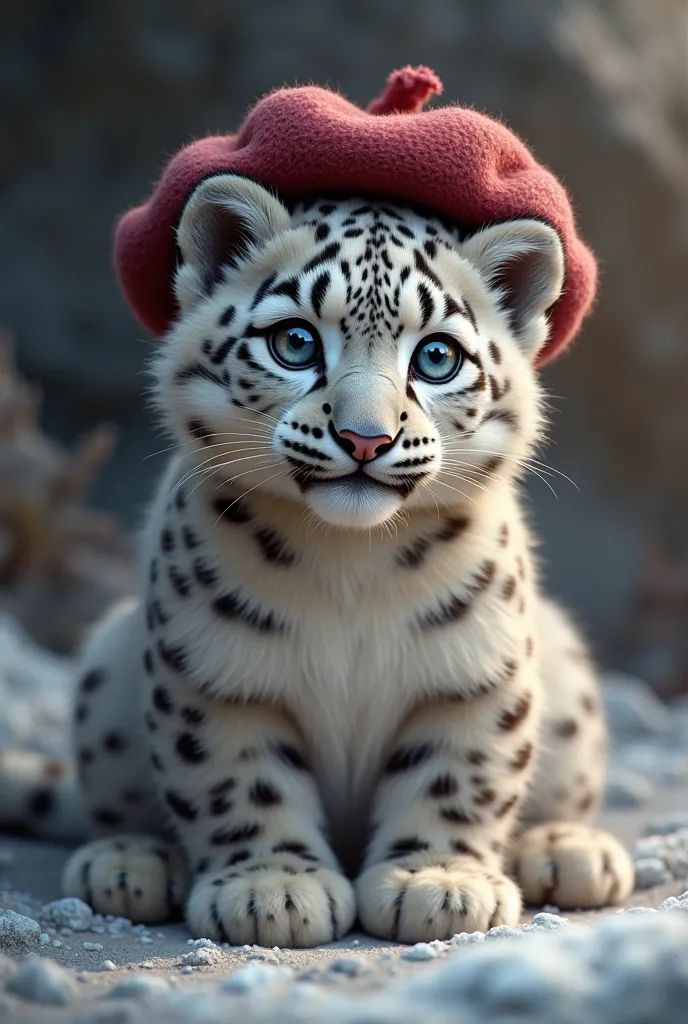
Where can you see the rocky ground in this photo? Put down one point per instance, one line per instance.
(59, 962)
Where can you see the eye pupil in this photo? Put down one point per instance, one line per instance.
(437, 360)
(294, 345)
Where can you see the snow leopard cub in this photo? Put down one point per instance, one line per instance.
(339, 692)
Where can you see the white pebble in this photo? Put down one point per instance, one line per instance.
(187, 970)
(107, 965)
(421, 951)
(17, 933)
(549, 921)
(198, 958)
(93, 945)
(355, 942)
(57, 944)
(44, 939)
(42, 981)
(467, 938)
(502, 931)
(351, 966)
(70, 913)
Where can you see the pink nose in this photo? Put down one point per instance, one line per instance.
(365, 448)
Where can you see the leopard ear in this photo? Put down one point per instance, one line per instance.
(522, 261)
(225, 217)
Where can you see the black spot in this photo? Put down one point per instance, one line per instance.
(194, 716)
(443, 785)
(405, 758)
(81, 713)
(298, 849)
(321, 232)
(180, 806)
(291, 756)
(225, 837)
(220, 805)
(406, 846)
(232, 510)
(114, 742)
(238, 858)
(328, 253)
(263, 289)
(205, 575)
(167, 540)
(427, 304)
(41, 803)
(148, 662)
(181, 584)
(190, 748)
(226, 786)
(319, 291)
(199, 430)
(85, 757)
(174, 657)
(190, 538)
(273, 548)
(197, 372)
(162, 700)
(456, 816)
(264, 794)
(93, 680)
(290, 288)
(226, 317)
(108, 817)
(232, 606)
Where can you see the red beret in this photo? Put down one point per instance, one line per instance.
(309, 140)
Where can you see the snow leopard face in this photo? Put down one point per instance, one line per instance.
(355, 356)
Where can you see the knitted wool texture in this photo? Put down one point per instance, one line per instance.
(308, 140)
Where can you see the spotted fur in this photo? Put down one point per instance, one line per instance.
(340, 689)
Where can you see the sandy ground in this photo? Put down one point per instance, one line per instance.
(35, 869)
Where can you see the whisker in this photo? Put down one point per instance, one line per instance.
(284, 472)
(192, 472)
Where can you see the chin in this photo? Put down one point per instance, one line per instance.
(356, 504)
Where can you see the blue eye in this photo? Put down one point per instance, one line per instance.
(295, 344)
(437, 359)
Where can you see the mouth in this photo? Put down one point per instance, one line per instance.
(356, 482)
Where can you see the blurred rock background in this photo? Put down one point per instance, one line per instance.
(95, 95)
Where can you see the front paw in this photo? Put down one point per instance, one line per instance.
(426, 896)
(138, 877)
(276, 902)
(572, 865)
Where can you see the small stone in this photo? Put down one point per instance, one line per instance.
(199, 958)
(70, 913)
(93, 945)
(351, 966)
(651, 871)
(187, 970)
(43, 939)
(138, 988)
(502, 931)
(467, 938)
(420, 951)
(57, 944)
(18, 934)
(107, 965)
(550, 921)
(42, 981)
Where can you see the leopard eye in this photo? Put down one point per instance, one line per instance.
(437, 358)
(295, 344)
